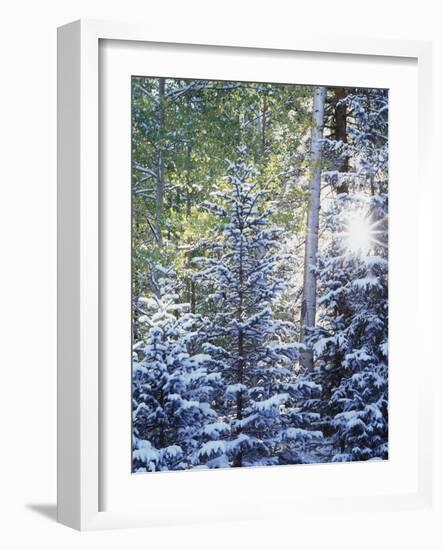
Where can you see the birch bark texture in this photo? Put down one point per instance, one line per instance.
(308, 310)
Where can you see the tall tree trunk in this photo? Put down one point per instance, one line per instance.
(238, 458)
(190, 283)
(160, 183)
(308, 309)
(263, 127)
(341, 132)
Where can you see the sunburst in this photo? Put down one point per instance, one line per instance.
(361, 233)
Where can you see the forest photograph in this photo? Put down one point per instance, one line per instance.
(259, 274)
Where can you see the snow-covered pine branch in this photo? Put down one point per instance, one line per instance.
(257, 352)
(173, 386)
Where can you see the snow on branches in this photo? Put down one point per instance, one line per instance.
(350, 339)
(173, 387)
(257, 352)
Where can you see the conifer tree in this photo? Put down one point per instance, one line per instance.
(173, 386)
(263, 422)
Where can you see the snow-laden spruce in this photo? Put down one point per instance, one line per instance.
(350, 341)
(261, 418)
(173, 386)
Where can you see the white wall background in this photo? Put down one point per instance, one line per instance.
(28, 264)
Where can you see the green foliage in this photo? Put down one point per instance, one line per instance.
(182, 137)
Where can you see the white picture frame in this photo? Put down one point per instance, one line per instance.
(79, 329)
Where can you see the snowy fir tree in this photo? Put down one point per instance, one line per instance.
(261, 413)
(172, 385)
(350, 340)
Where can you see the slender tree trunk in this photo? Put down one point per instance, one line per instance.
(161, 436)
(238, 459)
(190, 283)
(193, 297)
(188, 181)
(308, 310)
(160, 183)
(341, 132)
(263, 128)
(135, 318)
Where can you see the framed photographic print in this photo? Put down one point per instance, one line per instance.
(233, 276)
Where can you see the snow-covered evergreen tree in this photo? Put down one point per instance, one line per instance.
(173, 386)
(351, 338)
(261, 418)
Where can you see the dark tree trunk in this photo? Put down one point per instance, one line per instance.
(341, 132)
(263, 128)
(193, 296)
(238, 459)
(160, 183)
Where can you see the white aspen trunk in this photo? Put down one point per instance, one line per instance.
(308, 309)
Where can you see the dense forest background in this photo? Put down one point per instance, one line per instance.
(259, 277)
